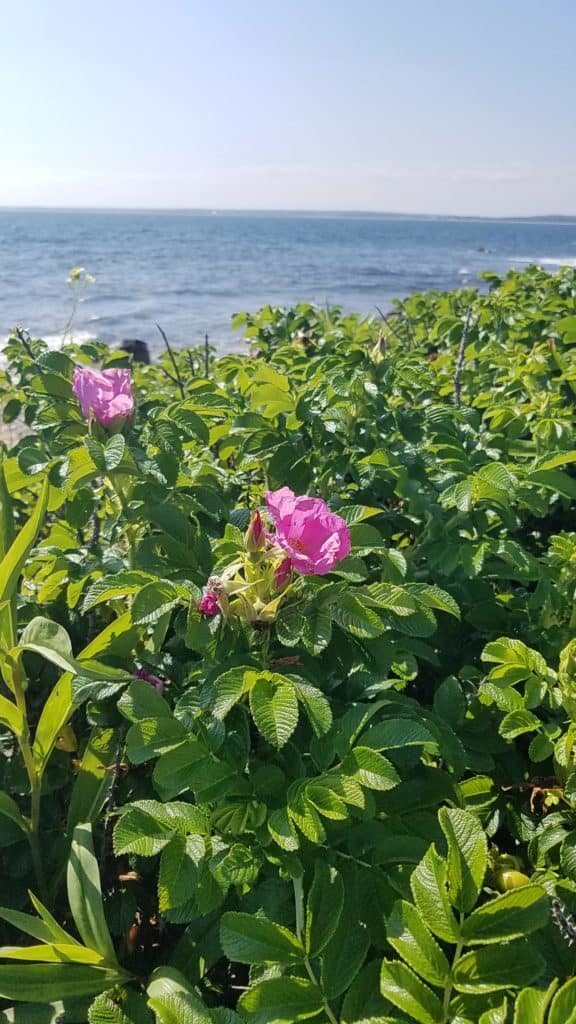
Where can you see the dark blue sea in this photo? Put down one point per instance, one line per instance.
(192, 271)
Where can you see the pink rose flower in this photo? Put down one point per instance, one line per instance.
(158, 684)
(209, 603)
(107, 395)
(314, 538)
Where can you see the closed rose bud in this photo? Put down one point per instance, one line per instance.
(255, 537)
(208, 605)
(283, 574)
(148, 677)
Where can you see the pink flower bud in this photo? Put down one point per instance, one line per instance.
(158, 684)
(106, 396)
(314, 538)
(209, 603)
(283, 573)
(255, 537)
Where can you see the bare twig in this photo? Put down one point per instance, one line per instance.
(387, 319)
(178, 380)
(398, 315)
(21, 335)
(460, 357)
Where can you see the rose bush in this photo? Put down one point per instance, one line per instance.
(287, 711)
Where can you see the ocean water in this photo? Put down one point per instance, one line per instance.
(191, 271)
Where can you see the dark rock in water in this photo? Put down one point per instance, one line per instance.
(137, 349)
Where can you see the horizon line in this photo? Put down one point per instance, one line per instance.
(283, 211)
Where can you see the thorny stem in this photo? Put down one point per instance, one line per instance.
(299, 907)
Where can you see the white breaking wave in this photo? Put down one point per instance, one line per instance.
(546, 261)
(55, 341)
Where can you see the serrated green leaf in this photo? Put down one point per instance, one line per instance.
(119, 584)
(518, 722)
(153, 601)
(405, 990)
(179, 871)
(281, 1001)
(370, 769)
(486, 970)
(345, 952)
(357, 618)
(274, 709)
(323, 907)
(282, 830)
(467, 855)
(254, 940)
(315, 704)
(429, 883)
(396, 732)
(409, 936)
(229, 686)
(563, 1006)
(532, 1003)
(510, 916)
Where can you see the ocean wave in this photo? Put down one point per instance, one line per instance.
(55, 341)
(545, 261)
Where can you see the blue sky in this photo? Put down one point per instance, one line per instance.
(433, 106)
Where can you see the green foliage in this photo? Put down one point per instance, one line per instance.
(353, 800)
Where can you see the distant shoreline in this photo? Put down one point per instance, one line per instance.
(550, 219)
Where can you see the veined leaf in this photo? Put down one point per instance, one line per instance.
(532, 1003)
(355, 617)
(487, 970)
(403, 988)
(315, 704)
(119, 584)
(467, 855)
(282, 830)
(563, 1007)
(323, 908)
(229, 686)
(370, 769)
(153, 601)
(429, 883)
(510, 916)
(281, 1001)
(407, 932)
(254, 940)
(274, 708)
